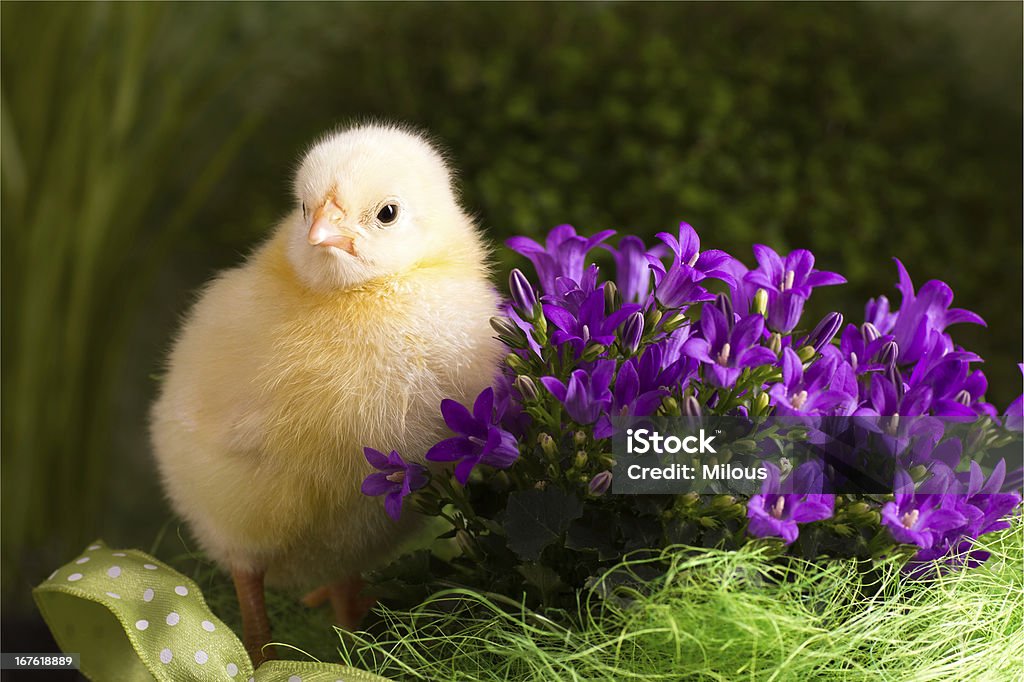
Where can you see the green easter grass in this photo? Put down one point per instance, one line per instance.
(714, 616)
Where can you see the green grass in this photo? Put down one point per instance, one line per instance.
(715, 615)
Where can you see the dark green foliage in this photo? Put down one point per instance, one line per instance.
(853, 130)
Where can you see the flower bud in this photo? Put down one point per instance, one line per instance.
(825, 331)
(869, 332)
(606, 460)
(670, 405)
(761, 402)
(547, 444)
(691, 408)
(775, 343)
(580, 437)
(633, 332)
(760, 302)
(508, 332)
(722, 501)
(524, 300)
(593, 352)
(889, 354)
(745, 445)
(581, 460)
(724, 303)
(527, 389)
(466, 545)
(674, 322)
(517, 363)
(612, 298)
(540, 326)
(918, 472)
(859, 508)
(806, 354)
(600, 483)
(652, 318)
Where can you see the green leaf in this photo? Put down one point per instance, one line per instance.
(585, 536)
(543, 578)
(536, 518)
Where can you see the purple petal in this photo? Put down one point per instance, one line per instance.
(959, 315)
(627, 385)
(560, 317)
(714, 326)
(376, 458)
(483, 408)
(464, 468)
(559, 235)
(755, 357)
(524, 245)
(770, 263)
(792, 368)
(805, 512)
(556, 388)
(822, 278)
(458, 419)
(377, 484)
(747, 332)
(393, 505)
(451, 449)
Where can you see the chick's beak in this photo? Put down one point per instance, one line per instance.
(327, 229)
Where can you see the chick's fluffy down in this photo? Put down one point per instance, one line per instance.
(273, 390)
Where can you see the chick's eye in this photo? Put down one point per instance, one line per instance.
(387, 214)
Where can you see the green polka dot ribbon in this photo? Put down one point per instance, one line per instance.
(132, 617)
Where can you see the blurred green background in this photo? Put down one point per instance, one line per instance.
(144, 146)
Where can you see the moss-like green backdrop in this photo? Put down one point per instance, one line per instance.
(146, 145)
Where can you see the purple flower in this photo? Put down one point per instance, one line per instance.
(778, 509)
(587, 395)
(922, 518)
(728, 348)
(395, 479)
(924, 316)
(563, 254)
(587, 322)
(481, 440)
(813, 391)
(788, 282)
(988, 498)
(632, 269)
(680, 284)
(633, 395)
(686, 249)
(876, 312)
(861, 347)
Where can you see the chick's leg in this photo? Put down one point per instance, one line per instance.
(350, 607)
(255, 624)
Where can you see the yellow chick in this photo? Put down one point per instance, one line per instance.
(367, 306)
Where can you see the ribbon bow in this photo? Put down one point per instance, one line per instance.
(132, 617)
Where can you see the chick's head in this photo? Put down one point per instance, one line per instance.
(372, 201)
